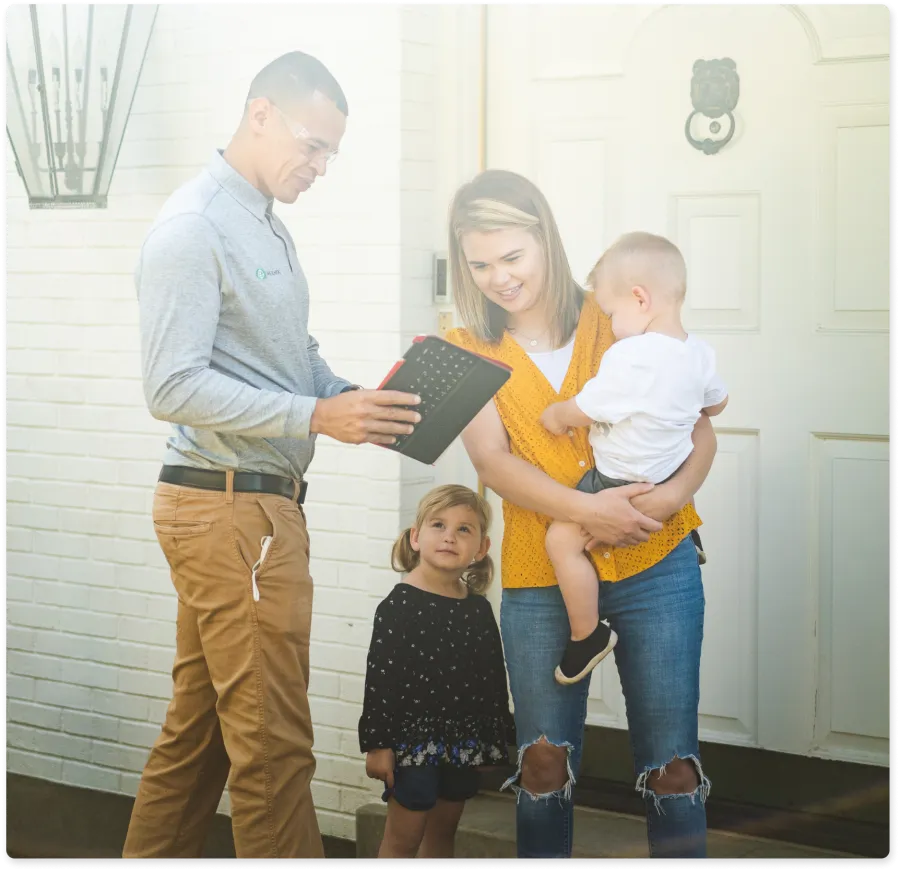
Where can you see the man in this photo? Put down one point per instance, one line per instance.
(228, 361)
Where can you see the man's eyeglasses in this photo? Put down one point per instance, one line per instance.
(312, 150)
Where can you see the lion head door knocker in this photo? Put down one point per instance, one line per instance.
(714, 93)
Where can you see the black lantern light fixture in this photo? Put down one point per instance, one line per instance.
(71, 76)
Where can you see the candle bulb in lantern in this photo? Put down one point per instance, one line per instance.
(54, 88)
(53, 59)
(79, 71)
(104, 93)
(54, 56)
(80, 146)
(32, 97)
(60, 145)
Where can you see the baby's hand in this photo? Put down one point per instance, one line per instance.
(380, 765)
(551, 421)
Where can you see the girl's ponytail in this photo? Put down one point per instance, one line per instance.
(479, 575)
(403, 557)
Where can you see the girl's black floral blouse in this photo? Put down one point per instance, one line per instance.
(435, 681)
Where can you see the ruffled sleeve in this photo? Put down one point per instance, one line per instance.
(379, 725)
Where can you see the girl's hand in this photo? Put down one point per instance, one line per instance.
(380, 765)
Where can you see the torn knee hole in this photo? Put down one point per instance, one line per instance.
(542, 774)
(543, 770)
(680, 776)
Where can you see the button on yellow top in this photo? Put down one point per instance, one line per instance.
(520, 402)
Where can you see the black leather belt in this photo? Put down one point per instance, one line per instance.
(244, 482)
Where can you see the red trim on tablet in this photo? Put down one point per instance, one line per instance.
(390, 374)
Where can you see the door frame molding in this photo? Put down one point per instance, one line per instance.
(461, 147)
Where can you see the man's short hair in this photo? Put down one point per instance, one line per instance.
(642, 258)
(294, 77)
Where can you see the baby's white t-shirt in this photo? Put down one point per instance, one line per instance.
(645, 399)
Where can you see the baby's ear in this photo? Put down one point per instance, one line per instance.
(641, 295)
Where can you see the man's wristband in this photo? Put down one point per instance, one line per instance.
(350, 387)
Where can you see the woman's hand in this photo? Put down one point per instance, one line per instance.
(660, 503)
(380, 765)
(668, 498)
(610, 518)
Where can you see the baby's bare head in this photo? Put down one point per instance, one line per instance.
(641, 260)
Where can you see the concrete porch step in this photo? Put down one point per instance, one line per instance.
(488, 830)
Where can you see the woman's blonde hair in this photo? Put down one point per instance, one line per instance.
(478, 576)
(497, 199)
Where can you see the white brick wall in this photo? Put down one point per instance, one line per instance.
(90, 610)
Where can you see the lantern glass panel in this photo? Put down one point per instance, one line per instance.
(72, 73)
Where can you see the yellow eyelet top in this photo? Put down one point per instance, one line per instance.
(565, 458)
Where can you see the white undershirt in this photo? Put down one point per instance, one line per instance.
(555, 364)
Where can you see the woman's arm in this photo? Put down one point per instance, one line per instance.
(666, 499)
(608, 516)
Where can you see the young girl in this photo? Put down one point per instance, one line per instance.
(436, 707)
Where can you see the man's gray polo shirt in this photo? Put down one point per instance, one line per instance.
(225, 351)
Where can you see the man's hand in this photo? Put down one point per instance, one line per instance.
(610, 518)
(380, 765)
(365, 416)
(552, 420)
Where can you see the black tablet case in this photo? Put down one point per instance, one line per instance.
(454, 385)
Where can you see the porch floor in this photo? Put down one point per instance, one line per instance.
(487, 830)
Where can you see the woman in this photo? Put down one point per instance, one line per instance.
(520, 305)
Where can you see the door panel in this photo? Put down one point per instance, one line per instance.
(785, 235)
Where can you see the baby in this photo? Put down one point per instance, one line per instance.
(652, 385)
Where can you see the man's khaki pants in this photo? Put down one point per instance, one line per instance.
(239, 711)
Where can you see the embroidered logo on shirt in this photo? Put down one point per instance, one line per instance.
(262, 275)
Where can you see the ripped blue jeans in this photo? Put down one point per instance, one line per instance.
(658, 616)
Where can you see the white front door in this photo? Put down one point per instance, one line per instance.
(785, 235)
